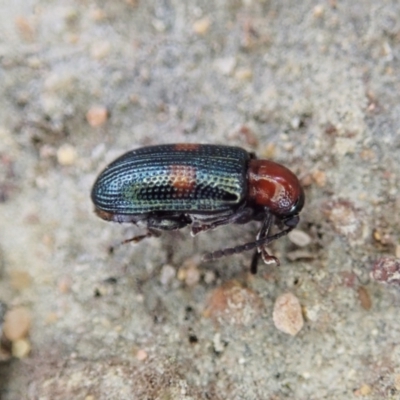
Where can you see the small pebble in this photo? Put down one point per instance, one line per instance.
(25, 28)
(134, 98)
(382, 236)
(168, 273)
(364, 390)
(387, 270)
(97, 116)
(349, 279)
(159, 25)
(367, 155)
(364, 298)
(64, 284)
(34, 62)
(189, 271)
(318, 11)
(192, 276)
(249, 135)
(202, 26)
(234, 303)
(46, 151)
(312, 313)
(344, 146)
(141, 355)
(20, 279)
(100, 50)
(295, 122)
(244, 74)
(17, 323)
(51, 318)
(225, 65)
(21, 348)
(288, 146)
(299, 238)
(269, 151)
(59, 83)
(287, 314)
(346, 219)
(181, 274)
(306, 180)
(300, 255)
(319, 177)
(98, 15)
(218, 343)
(209, 277)
(66, 155)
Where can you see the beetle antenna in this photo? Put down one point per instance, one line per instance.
(135, 239)
(245, 247)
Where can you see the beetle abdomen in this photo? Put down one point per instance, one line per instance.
(176, 177)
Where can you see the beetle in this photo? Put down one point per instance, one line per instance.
(167, 187)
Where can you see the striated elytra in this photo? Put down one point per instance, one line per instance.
(168, 187)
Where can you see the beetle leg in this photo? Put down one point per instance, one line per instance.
(136, 239)
(263, 233)
(240, 217)
(155, 225)
(268, 259)
(139, 238)
(245, 247)
(254, 262)
(265, 227)
(168, 222)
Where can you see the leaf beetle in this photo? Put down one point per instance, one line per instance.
(167, 187)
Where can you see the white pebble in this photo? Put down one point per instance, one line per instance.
(287, 314)
(299, 238)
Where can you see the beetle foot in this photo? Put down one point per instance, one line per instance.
(267, 258)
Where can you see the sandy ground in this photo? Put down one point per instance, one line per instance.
(313, 85)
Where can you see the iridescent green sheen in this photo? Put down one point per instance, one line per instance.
(173, 178)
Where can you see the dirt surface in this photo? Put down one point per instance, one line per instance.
(312, 85)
